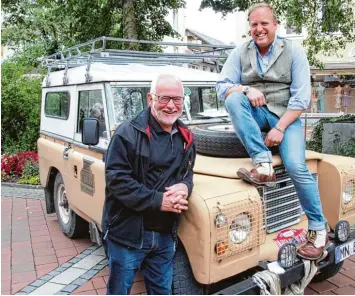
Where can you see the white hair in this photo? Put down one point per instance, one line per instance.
(164, 77)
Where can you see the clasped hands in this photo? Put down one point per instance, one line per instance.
(257, 99)
(175, 198)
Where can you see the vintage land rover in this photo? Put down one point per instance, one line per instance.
(232, 229)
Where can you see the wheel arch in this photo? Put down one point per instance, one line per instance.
(49, 189)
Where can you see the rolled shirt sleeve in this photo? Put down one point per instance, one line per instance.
(230, 75)
(300, 88)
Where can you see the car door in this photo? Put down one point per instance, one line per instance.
(87, 192)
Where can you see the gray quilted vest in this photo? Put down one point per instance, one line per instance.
(275, 85)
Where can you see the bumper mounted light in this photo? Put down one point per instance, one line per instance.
(287, 255)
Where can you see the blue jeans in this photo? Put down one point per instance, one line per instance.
(155, 259)
(248, 121)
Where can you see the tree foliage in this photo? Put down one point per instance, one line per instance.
(329, 23)
(52, 25)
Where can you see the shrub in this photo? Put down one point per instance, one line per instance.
(20, 108)
(30, 168)
(344, 149)
(30, 173)
(33, 180)
(14, 165)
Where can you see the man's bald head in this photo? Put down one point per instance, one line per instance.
(165, 80)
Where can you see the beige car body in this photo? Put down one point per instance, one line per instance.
(217, 188)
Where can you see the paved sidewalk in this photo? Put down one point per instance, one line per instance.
(36, 257)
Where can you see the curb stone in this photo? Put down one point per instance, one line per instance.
(27, 186)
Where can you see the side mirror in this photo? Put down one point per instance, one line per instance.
(90, 132)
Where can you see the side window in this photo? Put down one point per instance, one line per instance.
(91, 106)
(128, 101)
(57, 105)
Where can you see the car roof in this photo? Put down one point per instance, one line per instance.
(127, 73)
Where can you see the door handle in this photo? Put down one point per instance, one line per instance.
(66, 152)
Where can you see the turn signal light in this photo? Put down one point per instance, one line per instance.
(221, 247)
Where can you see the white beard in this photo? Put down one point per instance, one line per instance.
(162, 120)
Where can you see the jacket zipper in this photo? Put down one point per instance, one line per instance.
(109, 225)
(143, 131)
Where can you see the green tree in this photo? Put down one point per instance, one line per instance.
(53, 25)
(329, 23)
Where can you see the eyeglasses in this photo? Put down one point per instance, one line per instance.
(166, 99)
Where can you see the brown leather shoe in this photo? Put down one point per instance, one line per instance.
(257, 179)
(308, 250)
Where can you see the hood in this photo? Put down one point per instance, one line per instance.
(228, 167)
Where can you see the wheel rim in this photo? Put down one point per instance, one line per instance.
(63, 206)
(221, 128)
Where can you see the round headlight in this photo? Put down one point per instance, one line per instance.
(349, 192)
(221, 220)
(240, 228)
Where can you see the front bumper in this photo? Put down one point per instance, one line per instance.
(291, 275)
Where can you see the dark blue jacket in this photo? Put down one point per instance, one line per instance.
(127, 196)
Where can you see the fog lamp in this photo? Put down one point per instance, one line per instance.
(287, 255)
(240, 228)
(349, 192)
(221, 247)
(342, 231)
(221, 220)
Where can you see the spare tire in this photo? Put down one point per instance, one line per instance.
(220, 140)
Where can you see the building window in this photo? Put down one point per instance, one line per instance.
(91, 106)
(204, 68)
(211, 69)
(57, 105)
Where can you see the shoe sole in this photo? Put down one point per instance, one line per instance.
(320, 256)
(246, 178)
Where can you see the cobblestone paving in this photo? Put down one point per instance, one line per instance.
(22, 192)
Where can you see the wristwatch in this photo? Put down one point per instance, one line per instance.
(246, 89)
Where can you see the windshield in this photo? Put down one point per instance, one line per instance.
(199, 100)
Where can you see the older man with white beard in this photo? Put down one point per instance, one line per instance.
(148, 179)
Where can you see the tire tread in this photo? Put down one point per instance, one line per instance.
(184, 282)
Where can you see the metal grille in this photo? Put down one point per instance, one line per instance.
(281, 204)
(348, 194)
(242, 228)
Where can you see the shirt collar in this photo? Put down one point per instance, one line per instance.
(270, 49)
